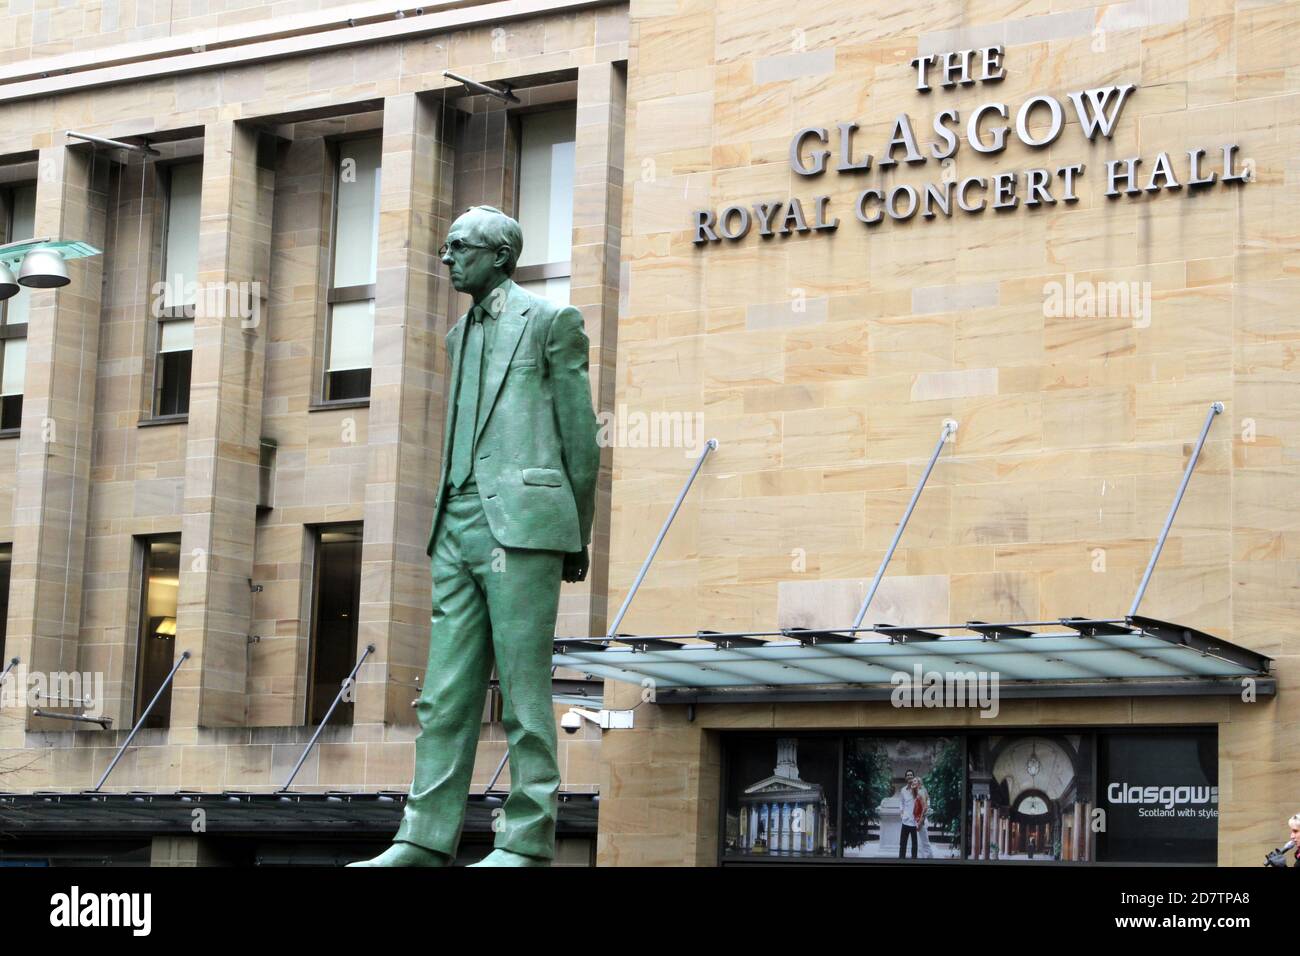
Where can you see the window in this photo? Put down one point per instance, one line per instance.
(21, 204)
(783, 797)
(353, 264)
(336, 600)
(156, 643)
(1031, 797)
(902, 798)
(546, 170)
(6, 562)
(177, 294)
(1024, 796)
(1160, 793)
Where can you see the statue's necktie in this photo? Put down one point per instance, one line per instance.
(471, 368)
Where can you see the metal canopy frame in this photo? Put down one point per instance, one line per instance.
(1128, 655)
(313, 815)
(1072, 656)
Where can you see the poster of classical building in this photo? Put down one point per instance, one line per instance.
(781, 798)
(902, 797)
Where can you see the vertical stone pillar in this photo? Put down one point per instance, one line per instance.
(488, 160)
(597, 225)
(406, 407)
(494, 154)
(215, 604)
(132, 257)
(54, 451)
(483, 152)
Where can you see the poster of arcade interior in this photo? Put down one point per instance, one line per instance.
(1030, 797)
(1064, 797)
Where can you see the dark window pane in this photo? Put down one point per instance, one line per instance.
(352, 383)
(174, 383)
(11, 411)
(157, 639)
(6, 561)
(335, 607)
(781, 796)
(1160, 792)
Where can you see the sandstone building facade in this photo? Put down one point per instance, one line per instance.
(999, 262)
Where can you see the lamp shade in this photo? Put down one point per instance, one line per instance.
(43, 269)
(8, 284)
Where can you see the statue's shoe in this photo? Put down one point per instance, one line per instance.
(508, 858)
(405, 854)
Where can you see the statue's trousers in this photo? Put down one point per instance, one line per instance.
(490, 604)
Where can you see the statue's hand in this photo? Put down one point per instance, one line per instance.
(575, 565)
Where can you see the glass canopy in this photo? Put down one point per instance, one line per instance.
(69, 249)
(1068, 657)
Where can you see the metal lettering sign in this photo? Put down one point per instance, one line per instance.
(1037, 123)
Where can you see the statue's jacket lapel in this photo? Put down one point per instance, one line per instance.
(510, 328)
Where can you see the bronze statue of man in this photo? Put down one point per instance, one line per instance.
(512, 518)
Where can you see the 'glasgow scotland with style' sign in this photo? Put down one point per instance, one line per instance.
(1098, 111)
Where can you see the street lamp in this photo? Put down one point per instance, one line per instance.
(41, 263)
(8, 284)
(43, 269)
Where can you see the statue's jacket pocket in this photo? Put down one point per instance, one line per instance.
(542, 476)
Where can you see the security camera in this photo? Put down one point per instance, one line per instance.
(604, 719)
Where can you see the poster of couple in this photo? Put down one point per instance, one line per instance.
(902, 798)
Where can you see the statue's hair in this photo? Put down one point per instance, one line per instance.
(495, 229)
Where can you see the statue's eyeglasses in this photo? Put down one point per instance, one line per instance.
(457, 246)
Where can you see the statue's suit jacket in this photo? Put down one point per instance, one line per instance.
(535, 450)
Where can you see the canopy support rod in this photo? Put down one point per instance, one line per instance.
(497, 776)
(343, 687)
(949, 427)
(8, 667)
(113, 143)
(185, 655)
(710, 445)
(1215, 409)
(506, 96)
(104, 722)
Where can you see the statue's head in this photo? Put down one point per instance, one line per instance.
(481, 250)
